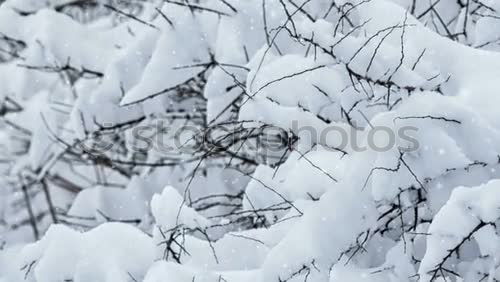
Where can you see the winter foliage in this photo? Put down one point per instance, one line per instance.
(198, 140)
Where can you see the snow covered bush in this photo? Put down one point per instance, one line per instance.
(249, 140)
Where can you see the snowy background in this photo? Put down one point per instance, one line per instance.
(202, 140)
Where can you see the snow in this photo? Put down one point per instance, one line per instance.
(468, 209)
(102, 254)
(87, 196)
(169, 211)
